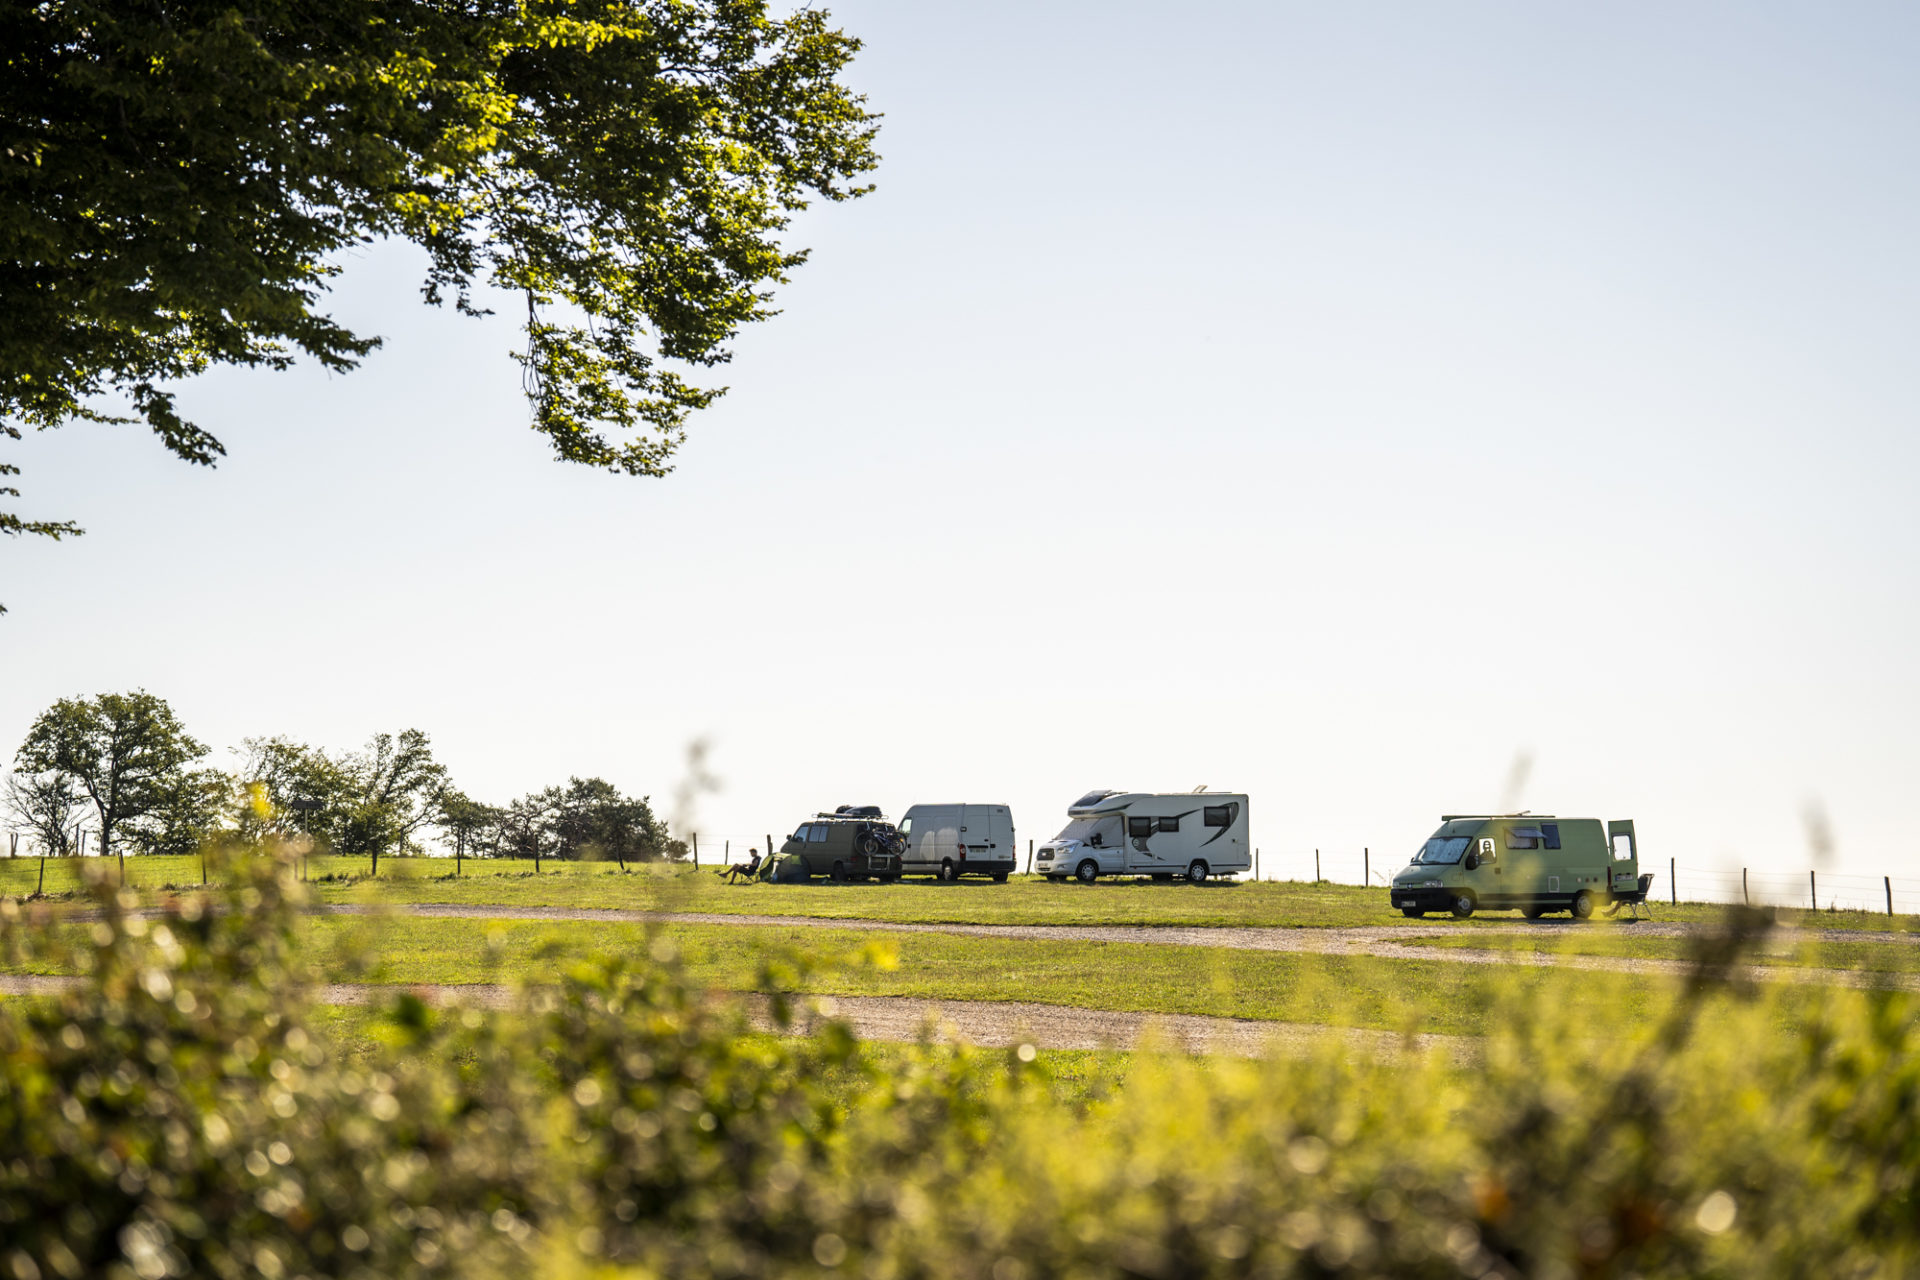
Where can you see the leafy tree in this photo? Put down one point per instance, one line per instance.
(594, 821)
(47, 805)
(286, 771)
(466, 821)
(127, 751)
(392, 790)
(529, 827)
(190, 811)
(178, 182)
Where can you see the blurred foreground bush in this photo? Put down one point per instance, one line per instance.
(174, 1113)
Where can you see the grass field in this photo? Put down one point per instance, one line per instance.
(1022, 900)
(1784, 950)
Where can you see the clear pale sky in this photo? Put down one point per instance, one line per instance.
(1330, 402)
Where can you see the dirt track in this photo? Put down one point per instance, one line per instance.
(1381, 941)
(992, 1024)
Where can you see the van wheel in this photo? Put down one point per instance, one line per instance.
(948, 871)
(1531, 913)
(999, 877)
(839, 873)
(1463, 905)
(1086, 871)
(1163, 875)
(1196, 872)
(1582, 905)
(1412, 913)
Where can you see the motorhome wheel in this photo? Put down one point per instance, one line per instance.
(1087, 870)
(1463, 905)
(1196, 872)
(948, 871)
(1582, 905)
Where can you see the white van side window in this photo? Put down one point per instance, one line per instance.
(906, 825)
(1217, 815)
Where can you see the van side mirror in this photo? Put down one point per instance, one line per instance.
(1473, 862)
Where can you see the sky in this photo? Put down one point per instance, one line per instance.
(1383, 410)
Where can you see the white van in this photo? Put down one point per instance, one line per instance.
(954, 840)
(1192, 835)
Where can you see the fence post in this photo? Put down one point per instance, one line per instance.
(1673, 885)
(1029, 855)
(1744, 899)
(1888, 881)
(696, 851)
(1366, 866)
(1316, 866)
(769, 849)
(41, 888)
(1813, 889)
(1256, 862)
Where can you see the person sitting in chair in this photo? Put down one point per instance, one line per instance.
(746, 870)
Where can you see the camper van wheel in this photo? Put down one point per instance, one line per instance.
(1463, 905)
(999, 877)
(1196, 872)
(839, 873)
(948, 871)
(1531, 913)
(1582, 905)
(1412, 913)
(1086, 871)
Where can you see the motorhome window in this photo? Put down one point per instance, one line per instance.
(1523, 837)
(1443, 849)
(1217, 815)
(817, 833)
(1139, 826)
(1170, 824)
(1550, 835)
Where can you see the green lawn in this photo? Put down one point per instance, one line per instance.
(1784, 950)
(1023, 900)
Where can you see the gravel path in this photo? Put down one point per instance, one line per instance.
(991, 1024)
(1380, 941)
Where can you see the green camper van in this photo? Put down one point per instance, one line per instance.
(1534, 863)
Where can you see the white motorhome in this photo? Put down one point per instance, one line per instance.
(954, 840)
(1192, 835)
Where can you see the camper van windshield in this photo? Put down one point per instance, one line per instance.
(1100, 831)
(1441, 849)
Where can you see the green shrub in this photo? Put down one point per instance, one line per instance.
(175, 1114)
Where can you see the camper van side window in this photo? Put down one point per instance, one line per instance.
(1550, 835)
(817, 833)
(1523, 838)
(1217, 815)
(800, 836)
(1139, 826)
(1170, 824)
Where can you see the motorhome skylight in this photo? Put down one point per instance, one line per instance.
(1092, 797)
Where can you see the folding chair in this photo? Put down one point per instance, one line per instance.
(1635, 900)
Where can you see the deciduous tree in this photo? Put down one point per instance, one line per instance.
(179, 180)
(127, 751)
(45, 805)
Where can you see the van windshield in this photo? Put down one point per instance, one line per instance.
(1103, 831)
(1443, 849)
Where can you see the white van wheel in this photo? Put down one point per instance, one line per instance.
(1086, 871)
(948, 872)
(1582, 905)
(1463, 905)
(1196, 872)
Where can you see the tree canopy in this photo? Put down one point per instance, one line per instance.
(178, 179)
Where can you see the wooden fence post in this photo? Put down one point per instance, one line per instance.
(41, 888)
(1813, 889)
(1673, 884)
(1256, 862)
(696, 851)
(1745, 899)
(1888, 881)
(1029, 855)
(1366, 866)
(1316, 866)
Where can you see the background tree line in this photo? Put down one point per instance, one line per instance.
(123, 766)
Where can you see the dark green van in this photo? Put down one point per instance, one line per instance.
(854, 842)
(1533, 863)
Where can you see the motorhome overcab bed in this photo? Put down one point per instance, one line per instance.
(1191, 835)
(1531, 861)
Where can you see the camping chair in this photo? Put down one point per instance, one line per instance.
(1636, 900)
(741, 870)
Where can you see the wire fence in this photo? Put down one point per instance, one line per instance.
(1812, 889)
